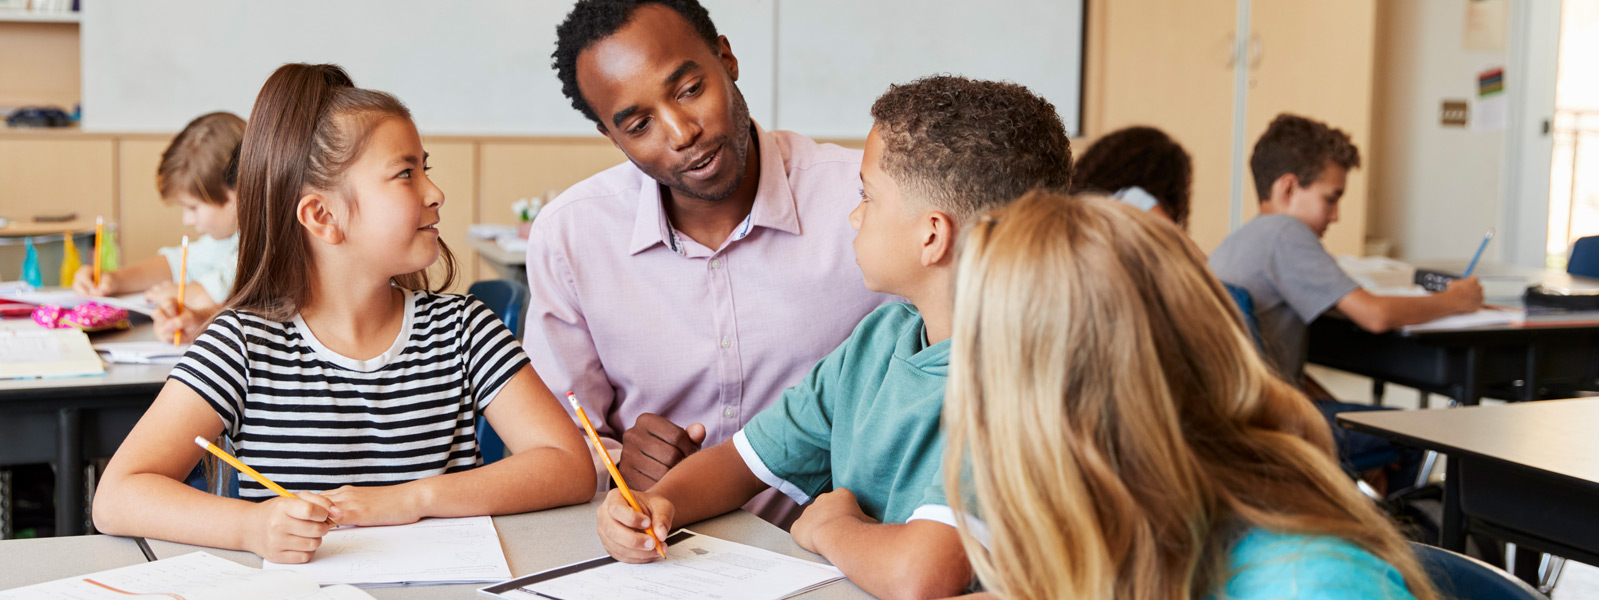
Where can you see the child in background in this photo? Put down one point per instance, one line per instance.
(857, 442)
(1121, 436)
(335, 369)
(1141, 166)
(192, 174)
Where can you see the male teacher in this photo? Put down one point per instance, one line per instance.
(679, 293)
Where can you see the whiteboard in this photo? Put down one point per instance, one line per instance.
(835, 57)
(482, 67)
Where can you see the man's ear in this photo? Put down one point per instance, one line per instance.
(938, 238)
(724, 51)
(316, 215)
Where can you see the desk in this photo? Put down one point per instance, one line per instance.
(63, 420)
(1523, 473)
(1550, 357)
(508, 265)
(533, 542)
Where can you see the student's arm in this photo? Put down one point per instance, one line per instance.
(919, 559)
(709, 483)
(1378, 314)
(136, 277)
(142, 492)
(548, 467)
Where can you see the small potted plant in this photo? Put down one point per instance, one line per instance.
(525, 210)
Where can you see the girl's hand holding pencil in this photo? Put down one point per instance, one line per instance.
(630, 535)
(289, 529)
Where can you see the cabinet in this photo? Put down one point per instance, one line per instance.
(1183, 67)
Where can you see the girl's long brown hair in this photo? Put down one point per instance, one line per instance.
(1117, 426)
(308, 125)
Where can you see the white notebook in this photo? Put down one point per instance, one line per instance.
(428, 552)
(195, 576)
(27, 350)
(696, 566)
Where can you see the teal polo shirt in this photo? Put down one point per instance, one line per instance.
(866, 419)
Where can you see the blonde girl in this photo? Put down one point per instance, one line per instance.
(336, 367)
(1121, 438)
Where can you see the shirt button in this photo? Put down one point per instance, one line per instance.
(716, 263)
(727, 343)
(728, 412)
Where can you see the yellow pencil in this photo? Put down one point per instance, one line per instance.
(99, 232)
(183, 281)
(615, 474)
(244, 468)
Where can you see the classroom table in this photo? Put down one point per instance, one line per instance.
(68, 419)
(1523, 472)
(1547, 357)
(507, 264)
(533, 542)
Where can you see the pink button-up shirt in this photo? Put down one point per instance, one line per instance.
(636, 319)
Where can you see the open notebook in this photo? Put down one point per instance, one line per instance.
(427, 552)
(27, 350)
(195, 576)
(696, 566)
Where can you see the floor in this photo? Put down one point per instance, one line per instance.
(1577, 580)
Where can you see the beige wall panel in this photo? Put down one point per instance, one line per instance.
(1316, 60)
(147, 222)
(40, 64)
(508, 170)
(1167, 65)
(54, 176)
(453, 165)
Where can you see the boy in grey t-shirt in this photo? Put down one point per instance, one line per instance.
(1300, 167)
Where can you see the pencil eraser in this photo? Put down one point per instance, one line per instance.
(200, 441)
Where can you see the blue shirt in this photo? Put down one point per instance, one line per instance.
(1266, 565)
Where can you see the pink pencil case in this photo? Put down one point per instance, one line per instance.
(90, 316)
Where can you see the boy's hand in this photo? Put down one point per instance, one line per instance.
(624, 532)
(289, 530)
(83, 283)
(653, 446)
(169, 321)
(1467, 293)
(377, 505)
(831, 508)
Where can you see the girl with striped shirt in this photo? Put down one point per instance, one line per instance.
(336, 368)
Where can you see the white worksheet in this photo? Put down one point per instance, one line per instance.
(696, 566)
(430, 551)
(194, 576)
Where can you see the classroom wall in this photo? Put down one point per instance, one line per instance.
(1434, 189)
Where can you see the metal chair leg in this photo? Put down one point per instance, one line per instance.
(1378, 387)
(1424, 399)
(6, 524)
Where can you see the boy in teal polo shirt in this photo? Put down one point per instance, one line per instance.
(858, 440)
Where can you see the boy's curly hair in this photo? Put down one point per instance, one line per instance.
(1139, 156)
(1295, 144)
(968, 145)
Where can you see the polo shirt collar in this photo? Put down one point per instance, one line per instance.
(774, 206)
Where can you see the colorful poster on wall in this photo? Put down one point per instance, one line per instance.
(1490, 109)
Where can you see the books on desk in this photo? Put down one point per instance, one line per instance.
(27, 350)
(195, 576)
(1484, 317)
(696, 566)
(427, 552)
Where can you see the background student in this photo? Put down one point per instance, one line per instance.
(1120, 435)
(1300, 167)
(857, 441)
(336, 370)
(192, 174)
(1141, 166)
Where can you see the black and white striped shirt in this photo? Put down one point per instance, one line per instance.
(312, 420)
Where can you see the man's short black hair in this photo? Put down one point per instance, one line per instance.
(593, 20)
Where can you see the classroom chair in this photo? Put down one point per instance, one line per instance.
(1246, 305)
(1584, 260)
(1465, 578)
(508, 299)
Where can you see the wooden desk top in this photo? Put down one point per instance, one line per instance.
(1560, 437)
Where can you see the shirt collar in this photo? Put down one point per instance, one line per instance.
(774, 201)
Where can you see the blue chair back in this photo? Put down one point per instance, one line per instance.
(508, 299)
(1584, 261)
(1465, 578)
(1246, 305)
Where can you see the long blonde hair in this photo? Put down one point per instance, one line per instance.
(1110, 414)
